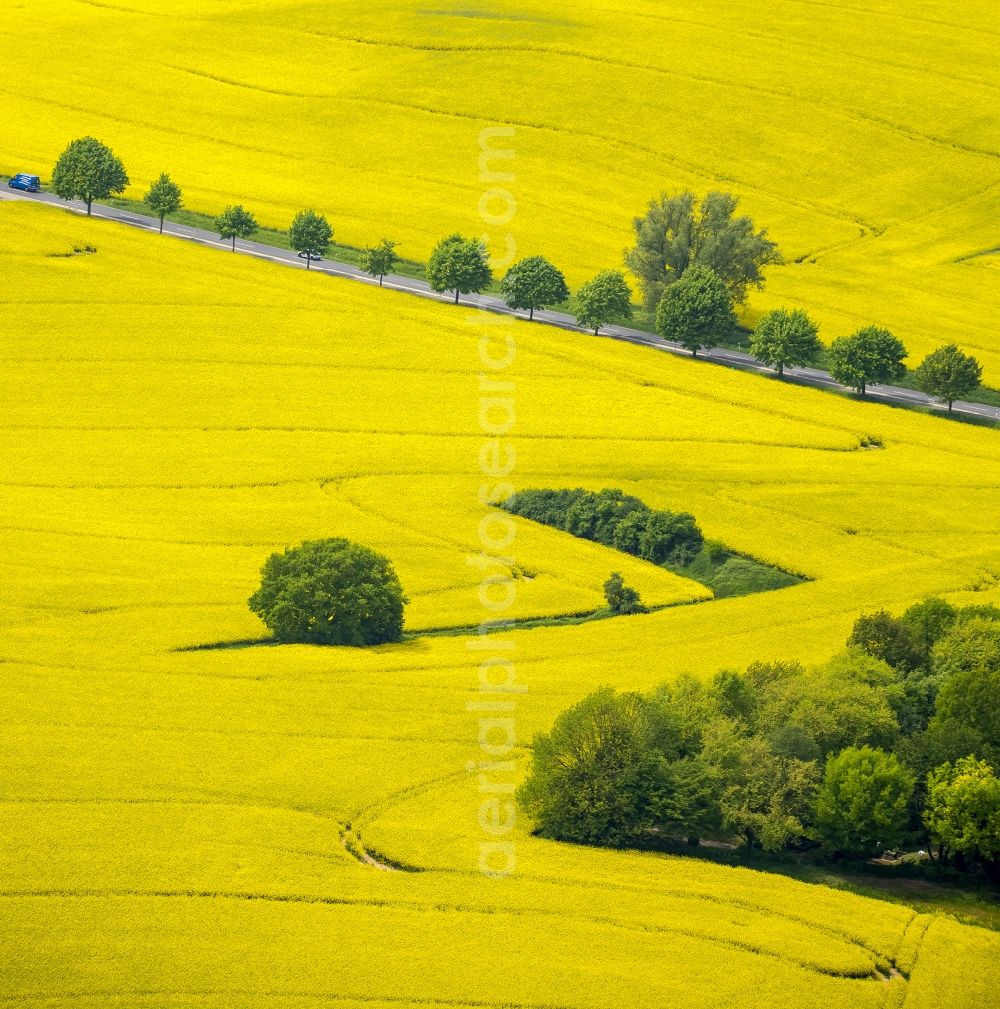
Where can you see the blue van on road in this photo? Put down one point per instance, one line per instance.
(25, 182)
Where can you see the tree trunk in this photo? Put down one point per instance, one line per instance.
(781, 369)
(308, 262)
(456, 295)
(694, 351)
(531, 314)
(596, 328)
(864, 388)
(234, 243)
(161, 224)
(381, 277)
(950, 402)
(89, 203)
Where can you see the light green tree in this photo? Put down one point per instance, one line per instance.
(785, 339)
(164, 197)
(948, 374)
(459, 264)
(863, 804)
(606, 298)
(962, 812)
(378, 260)
(235, 222)
(310, 235)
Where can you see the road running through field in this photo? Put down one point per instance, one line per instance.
(731, 358)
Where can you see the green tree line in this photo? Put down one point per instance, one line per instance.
(892, 744)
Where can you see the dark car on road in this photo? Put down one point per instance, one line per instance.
(28, 183)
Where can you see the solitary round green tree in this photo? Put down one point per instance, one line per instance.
(785, 339)
(863, 803)
(459, 264)
(602, 300)
(235, 222)
(696, 311)
(533, 283)
(948, 374)
(164, 197)
(378, 260)
(310, 235)
(330, 592)
(871, 356)
(88, 170)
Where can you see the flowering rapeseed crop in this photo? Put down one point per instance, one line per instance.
(176, 826)
(856, 135)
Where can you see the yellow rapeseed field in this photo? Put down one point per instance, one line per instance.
(197, 828)
(855, 132)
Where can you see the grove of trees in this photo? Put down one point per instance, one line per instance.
(855, 758)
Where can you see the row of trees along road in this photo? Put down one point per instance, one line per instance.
(695, 262)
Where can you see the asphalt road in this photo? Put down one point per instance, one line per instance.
(731, 358)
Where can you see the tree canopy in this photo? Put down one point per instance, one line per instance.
(948, 374)
(606, 298)
(88, 170)
(330, 592)
(675, 234)
(871, 356)
(963, 809)
(164, 197)
(533, 284)
(378, 260)
(785, 339)
(310, 235)
(235, 222)
(863, 804)
(696, 311)
(459, 264)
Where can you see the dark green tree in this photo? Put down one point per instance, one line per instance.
(886, 637)
(948, 374)
(604, 299)
(593, 777)
(378, 260)
(164, 197)
(88, 170)
(863, 804)
(871, 356)
(330, 592)
(928, 622)
(533, 283)
(763, 797)
(621, 598)
(235, 222)
(696, 311)
(310, 235)
(783, 338)
(675, 234)
(459, 264)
